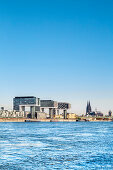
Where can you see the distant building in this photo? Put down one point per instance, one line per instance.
(20, 104)
(88, 108)
(89, 111)
(2, 108)
(99, 114)
(36, 105)
(25, 101)
(92, 114)
(110, 113)
(71, 116)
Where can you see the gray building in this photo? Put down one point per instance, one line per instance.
(20, 103)
(49, 104)
(110, 113)
(25, 100)
(64, 106)
(37, 105)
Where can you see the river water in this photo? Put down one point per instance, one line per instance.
(56, 145)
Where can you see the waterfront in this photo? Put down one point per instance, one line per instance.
(56, 145)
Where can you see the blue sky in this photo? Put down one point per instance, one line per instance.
(61, 50)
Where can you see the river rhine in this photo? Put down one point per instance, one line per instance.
(51, 145)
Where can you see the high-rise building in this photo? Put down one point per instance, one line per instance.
(110, 113)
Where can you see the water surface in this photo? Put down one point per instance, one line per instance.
(61, 145)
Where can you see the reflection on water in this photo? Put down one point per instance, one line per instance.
(37, 145)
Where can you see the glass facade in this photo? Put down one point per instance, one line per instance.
(64, 105)
(31, 101)
(23, 101)
(48, 103)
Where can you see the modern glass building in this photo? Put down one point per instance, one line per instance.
(36, 105)
(25, 100)
(48, 104)
(62, 105)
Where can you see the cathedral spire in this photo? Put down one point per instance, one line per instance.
(88, 107)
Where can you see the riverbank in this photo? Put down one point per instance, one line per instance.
(52, 120)
(34, 120)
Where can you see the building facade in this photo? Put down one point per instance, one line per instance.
(88, 108)
(25, 100)
(37, 105)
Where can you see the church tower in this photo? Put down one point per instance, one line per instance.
(88, 108)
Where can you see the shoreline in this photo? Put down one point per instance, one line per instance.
(49, 120)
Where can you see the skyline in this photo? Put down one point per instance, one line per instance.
(61, 50)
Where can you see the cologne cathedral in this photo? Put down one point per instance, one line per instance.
(88, 108)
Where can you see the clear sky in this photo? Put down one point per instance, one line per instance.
(57, 49)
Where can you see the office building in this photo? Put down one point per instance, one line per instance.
(37, 105)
